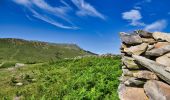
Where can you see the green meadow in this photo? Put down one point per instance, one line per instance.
(88, 78)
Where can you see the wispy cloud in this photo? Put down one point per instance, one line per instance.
(134, 17)
(51, 21)
(59, 12)
(85, 9)
(156, 26)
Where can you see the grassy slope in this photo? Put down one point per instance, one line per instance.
(31, 51)
(72, 79)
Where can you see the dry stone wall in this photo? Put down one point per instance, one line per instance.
(146, 66)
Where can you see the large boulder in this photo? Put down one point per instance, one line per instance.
(155, 67)
(161, 36)
(131, 93)
(144, 34)
(136, 50)
(164, 60)
(130, 38)
(144, 74)
(130, 63)
(157, 90)
(158, 51)
(134, 82)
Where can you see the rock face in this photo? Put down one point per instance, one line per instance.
(127, 93)
(127, 72)
(134, 82)
(148, 40)
(124, 78)
(136, 50)
(150, 47)
(164, 60)
(130, 39)
(161, 44)
(158, 51)
(146, 66)
(144, 34)
(161, 36)
(157, 90)
(154, 67)
(145, 75)
(130, 63)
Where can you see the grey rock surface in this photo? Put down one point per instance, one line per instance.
(158, 51)
(164, 60)
(157, 68)
(134, 82)
(136, 50)
(130, 63)
(131, 93)
(157, 90)
(144, 34)
(130, 38)
(161, 36)
(144, 74)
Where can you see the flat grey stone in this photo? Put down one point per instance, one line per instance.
(130, 38)
(155, 67)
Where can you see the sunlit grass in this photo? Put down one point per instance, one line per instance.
(72, 79)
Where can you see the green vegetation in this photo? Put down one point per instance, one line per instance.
(7, 64)
(18, 50)
(89, 78)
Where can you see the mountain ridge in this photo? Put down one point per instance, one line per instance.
(34, 50)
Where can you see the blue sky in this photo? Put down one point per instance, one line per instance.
(92, 24)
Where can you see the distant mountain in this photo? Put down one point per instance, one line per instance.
(35, 51)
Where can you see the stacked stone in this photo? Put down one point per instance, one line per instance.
(146, 66)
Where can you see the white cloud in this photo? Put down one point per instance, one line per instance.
(85, 9)
(51, 21)
(59, 12)
(156, 26)
(134, 16)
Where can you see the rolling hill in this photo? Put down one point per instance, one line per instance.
(35, 51)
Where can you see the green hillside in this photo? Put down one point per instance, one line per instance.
(89, 78)
(35, 51)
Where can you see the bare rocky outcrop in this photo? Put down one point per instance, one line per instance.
(146, 66)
